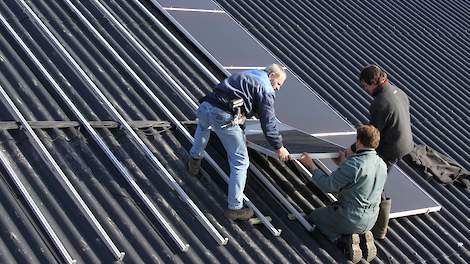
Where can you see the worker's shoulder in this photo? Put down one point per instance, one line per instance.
(382, 102)
(354, 162)
(391, 94)
(363, 163)
(364, 158)
(258, 79)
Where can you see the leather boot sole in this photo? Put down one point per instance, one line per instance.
(351, 246)
(369, 250)
(243, 214)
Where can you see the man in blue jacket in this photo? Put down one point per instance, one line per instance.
(256, 88)
(359, 180)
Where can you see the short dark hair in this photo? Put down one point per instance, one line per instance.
(372, 74)
(368, 135)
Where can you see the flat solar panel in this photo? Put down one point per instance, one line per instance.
(253, 127)
(222, 38)
(341, 140)
(296, 141)
(408, 198)
(199, 4)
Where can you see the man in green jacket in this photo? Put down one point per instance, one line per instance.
(359, 180)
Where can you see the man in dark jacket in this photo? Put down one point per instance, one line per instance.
(359, 180)
(256, 88)
(389, 113)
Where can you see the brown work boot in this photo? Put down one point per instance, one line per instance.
(193, 166)
(350, 244)
(239, 214)
(369, 250)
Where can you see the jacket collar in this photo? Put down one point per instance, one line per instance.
(365, 151)
(380, 88)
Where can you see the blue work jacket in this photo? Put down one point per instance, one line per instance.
(258, 95)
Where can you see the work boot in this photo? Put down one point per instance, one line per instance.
(239, 214)
(380, 228)
(193, 166)
(350, 244)
(369, 250)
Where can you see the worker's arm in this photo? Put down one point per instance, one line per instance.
(269, 126)
(268, 120)
(379, 115)
(342, 156)
(338, 179)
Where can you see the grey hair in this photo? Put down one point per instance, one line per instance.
(276, 69)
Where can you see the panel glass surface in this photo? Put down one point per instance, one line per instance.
(299, 107)
(297, 142)
(223, 38)
(342, 140)
(196, 4)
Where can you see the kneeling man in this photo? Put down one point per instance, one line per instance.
(359, 182)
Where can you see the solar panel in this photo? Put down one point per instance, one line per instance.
(408, 198)
(296, 141)
(199, 4)
(342, 140)
(222, 37)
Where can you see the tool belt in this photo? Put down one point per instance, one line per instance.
(239, 118)
(232, 105)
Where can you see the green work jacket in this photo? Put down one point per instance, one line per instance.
(359, 181)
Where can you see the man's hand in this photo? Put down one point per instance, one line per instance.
(348, 152)
(283, 154)
(340, 158)
(307, 162)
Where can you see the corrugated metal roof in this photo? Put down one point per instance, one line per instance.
(130, 225)
(424, 47)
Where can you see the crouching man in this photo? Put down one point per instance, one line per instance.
(359, 181)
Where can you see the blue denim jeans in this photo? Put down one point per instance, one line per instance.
(234, 142)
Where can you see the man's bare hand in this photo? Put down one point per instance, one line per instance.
(348, 152)
(340, 158)
(307, 162)
(283, 154)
